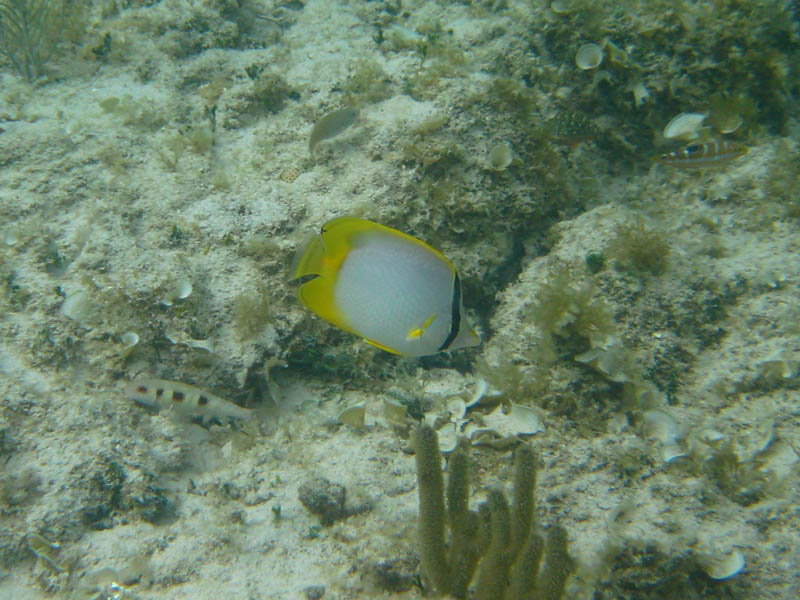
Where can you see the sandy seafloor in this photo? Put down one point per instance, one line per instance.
(671, 449)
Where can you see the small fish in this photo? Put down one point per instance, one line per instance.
(572, 129)
(709, 155)
(182, 399)
(385, 286)
(332, 125)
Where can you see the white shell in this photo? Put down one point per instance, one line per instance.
(472, 429)
(448, 438)
(640, 92)
(500, 157)
(457, 408)
(404, 36)
(40, 545)
(648, 395)
(45, 550)
(177, 337)
(527, 421)
(394, 412)
(722, 565)
(499, 423)
(670, 452)
(355, 416)
(430, 419)
(562, 7)
(183, 289)
(481, 387)
(776, 369)
(616, 55)
(731, 124)
(779, 459)
(520, 420)
(762, 435)
(610, 362)
(661, 426)
(77, 307)
(129, 339)
(11, 236)
(486, 438)
(180, 290)
(686, 126)
(710, 436)
(589, 56)
(101, 577)
(483, 393)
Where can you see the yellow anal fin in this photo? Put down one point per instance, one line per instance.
(382, 347)
(418, 332)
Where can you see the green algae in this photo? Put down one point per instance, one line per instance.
(639, 249)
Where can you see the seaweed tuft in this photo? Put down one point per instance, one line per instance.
(568, 310)
(251, 313)
(640, 249)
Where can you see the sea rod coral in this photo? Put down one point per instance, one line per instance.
(499, 540)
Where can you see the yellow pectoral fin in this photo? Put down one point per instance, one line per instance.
(418, 332)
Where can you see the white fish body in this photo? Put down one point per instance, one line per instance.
(392, 289)
(182, 399)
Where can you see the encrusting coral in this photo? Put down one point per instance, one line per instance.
(497, 540)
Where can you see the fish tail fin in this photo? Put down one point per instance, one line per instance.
(229, 409)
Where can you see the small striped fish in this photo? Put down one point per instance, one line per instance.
(182, 399)
(708, 155)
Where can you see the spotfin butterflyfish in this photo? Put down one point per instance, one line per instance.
(392, 289)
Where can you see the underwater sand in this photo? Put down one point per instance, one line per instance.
(668, 442)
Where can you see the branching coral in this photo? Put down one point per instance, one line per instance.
(498, 540)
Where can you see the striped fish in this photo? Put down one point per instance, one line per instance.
(182, 399)
(708, 155)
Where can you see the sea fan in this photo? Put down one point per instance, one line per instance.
(26, 35)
